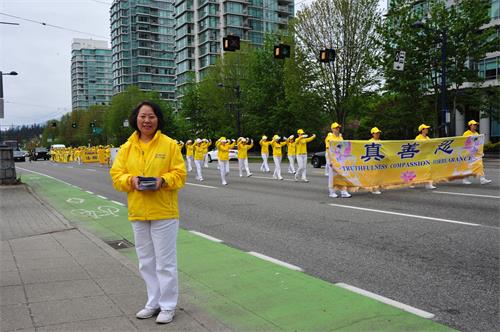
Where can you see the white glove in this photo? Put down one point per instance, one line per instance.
(305, 135)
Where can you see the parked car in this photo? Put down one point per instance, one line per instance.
(40, 153)
(318, 159)
(20, 155)
(212, 155)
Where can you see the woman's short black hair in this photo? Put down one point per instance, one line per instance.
(156, 109)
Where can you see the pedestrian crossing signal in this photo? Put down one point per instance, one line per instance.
(231, 43)
(281, 51)
(74, 125)
(327, 55)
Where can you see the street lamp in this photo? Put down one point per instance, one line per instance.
(13, 73)
(237, 93)
(445, 115)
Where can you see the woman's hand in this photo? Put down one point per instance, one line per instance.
(159, 182)
(135, 182)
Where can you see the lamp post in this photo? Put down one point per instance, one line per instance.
(13, 73)
(445, 115)
(237, 93)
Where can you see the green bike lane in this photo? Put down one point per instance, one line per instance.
(243, 291)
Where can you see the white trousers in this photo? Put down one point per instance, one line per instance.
(331, 174)
(155, 244)
(264, 167)
(291, 165)
(190, 161)
(243, 165)
(277, 167)
(224, 170)
(302, 167)
(205, 160)
(198, 163)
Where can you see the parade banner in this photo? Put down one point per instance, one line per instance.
(391, 164)
(90, 156)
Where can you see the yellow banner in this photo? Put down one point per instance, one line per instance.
(392, 164)
(89, 156)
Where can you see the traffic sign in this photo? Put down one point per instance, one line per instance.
(399, 60)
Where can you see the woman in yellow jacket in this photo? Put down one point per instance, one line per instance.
(189, 155)
(277, 156)
(206, 144)
(375, 132)
(334, 135)
(223, 146)
(264, 152)
(423, 130)
(244, 145)
(199, 154)
(473, 126)
(152, 205)
(290, 151)
(301, 150)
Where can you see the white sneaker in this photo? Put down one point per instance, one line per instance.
(466, 181)
(249, 175)
(376, 192)
(147, 313)
(430, 186)
(241, 175)
(333, 195)
(201, 179)
(344, 194)
(224, 183)
(484, 180)
(165, 316)
(305, 180)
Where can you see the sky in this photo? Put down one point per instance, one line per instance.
(41, 54)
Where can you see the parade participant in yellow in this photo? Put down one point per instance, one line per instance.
(277, 156)
(472, 131)
(107, 154)
(334, 135)
(189, 155)
(375, 132)
(290, 151)
(423, 135)
(301, 150)
(206, 144)
(101, 155)
(199, 152)
(264, 152)
(180, 144)
(223, 146)
(244, 145)
(152, 206)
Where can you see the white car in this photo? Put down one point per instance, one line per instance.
(212, 155)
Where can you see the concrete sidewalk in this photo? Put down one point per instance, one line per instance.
(54, 276)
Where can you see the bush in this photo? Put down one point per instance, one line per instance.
(492, 147)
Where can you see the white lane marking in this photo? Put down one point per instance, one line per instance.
(118, 203)
(89, 192)
(465, 194)
(388, 301)
(208, 237)
(90, 169)
(406, 215)
(101, 197)
(50, 177)
(276, 261)
(200, 185)
(269, 178)
(76, 187)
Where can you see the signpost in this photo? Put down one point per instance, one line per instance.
(399, 60)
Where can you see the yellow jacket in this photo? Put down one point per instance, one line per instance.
(290, 148)
(199, 151)
(264, 146)
(420, 137)
(277, 148)
(189, 149)
(470, 133)
(301, 144)
(205, 146)
(161, 158)
(223, 150)
(373, 140)
(243, 150)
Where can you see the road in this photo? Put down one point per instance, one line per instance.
(434, 250)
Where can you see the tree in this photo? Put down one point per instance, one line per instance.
(348, 26)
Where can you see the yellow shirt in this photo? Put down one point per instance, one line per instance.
(277, 148)
(420, 137)
(205, 146)
(223, 150)
(301, 144)
(189, 149)
(290, 148)
(165, 161)
(373, 140)
(243, 150)
(199, 152)
(470, 133)
(264, 146)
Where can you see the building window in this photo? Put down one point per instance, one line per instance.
(495, 9)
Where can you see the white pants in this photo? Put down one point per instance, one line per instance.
(198, 163)
(302, 167)
(224, 170)
(205, 160)
(190, 161)
(155, 244)
(291, 165)
(331, 174)
(264, 167)
(243, 165)
(277, 167)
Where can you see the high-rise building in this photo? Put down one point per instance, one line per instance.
(142, 41)
(90, 73)
(200, 26)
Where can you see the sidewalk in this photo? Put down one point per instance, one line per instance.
(54, 276)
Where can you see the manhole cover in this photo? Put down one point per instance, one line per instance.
(120, 244)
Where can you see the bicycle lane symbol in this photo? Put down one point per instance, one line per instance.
(100, 212)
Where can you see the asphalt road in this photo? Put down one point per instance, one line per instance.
(434, 250)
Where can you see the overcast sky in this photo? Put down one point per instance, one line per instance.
(42, 54)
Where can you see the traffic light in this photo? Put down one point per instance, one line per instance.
(327, 55)
(92, 124)
(74, 125)
(281, 51)
(231, 43)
